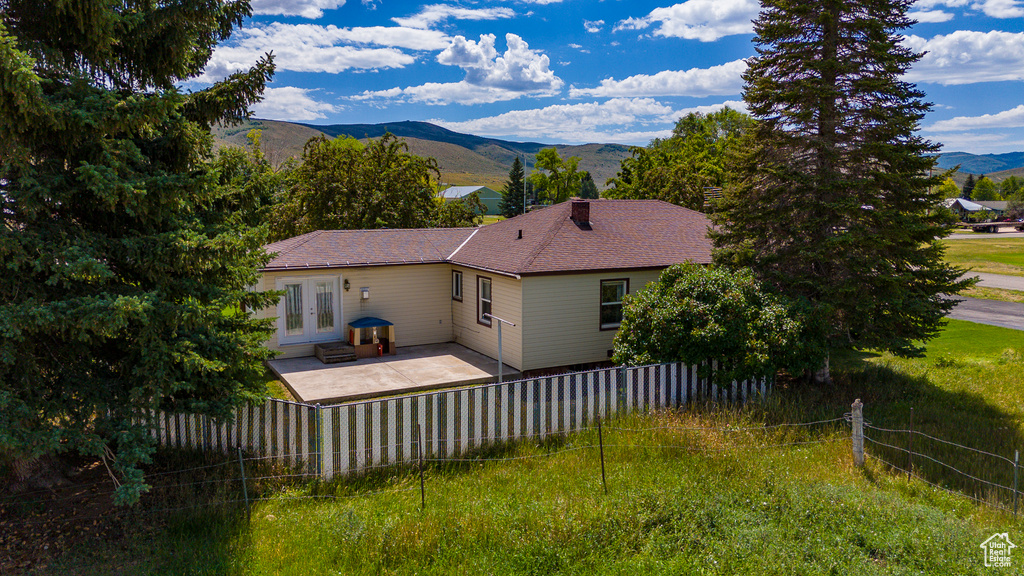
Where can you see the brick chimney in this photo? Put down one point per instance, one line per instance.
(580, 212)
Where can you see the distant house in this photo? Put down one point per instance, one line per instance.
(964, 208)
(488, 197)
(558, 273)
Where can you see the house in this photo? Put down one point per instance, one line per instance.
(964, 208)
(489, 198)
(558, 274)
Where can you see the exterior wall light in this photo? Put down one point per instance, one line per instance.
(346, 284)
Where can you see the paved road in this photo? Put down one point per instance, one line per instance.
(992, 312)
(999, 281)
(983, 235)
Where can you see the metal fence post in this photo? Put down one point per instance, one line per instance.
(858, 433)
(1016, 470)
(245, 489)
(419, 455)
(910, 445)
(600, 442)
(319, 442)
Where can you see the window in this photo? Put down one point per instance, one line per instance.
(310, 310)
(483, 301)
(612, 292)
(456, 285)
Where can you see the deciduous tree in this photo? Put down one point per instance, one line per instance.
(834, 206)
(341, 184)
(555, 179)
(948, 189)
(125, 280)
(985, 190)
(682, 168)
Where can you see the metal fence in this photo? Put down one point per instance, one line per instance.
(355, 437)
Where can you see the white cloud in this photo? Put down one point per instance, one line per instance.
(968, 57)
(931, 16)
(717, 80)
(990, 143)
(1012, 118)
(490, 77)
(575, 46)
(929, 4)
(704, 20)
(991, 8)
(622, 120)
(314, 48)
(593, 26)
(1000, 8)
(304, 8)
(292, 104)
(430, 15)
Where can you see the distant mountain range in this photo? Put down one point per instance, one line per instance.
(466, 159)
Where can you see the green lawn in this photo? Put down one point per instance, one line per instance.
(488, 219)
(992, 255)
(994, 294)
(710, 503)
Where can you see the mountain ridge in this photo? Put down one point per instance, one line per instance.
(467, 159)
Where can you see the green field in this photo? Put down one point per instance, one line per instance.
(991, 255)
(679, 501)
(994, 294)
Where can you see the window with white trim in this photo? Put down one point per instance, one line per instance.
(612, 293)
(457, 285)
(483, 301)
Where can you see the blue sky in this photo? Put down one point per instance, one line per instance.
(576, 71)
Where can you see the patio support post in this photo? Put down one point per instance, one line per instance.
(500, 322)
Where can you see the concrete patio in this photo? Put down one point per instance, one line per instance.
(412, 369)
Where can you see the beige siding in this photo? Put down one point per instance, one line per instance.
(416, 298)
(506, 293)
(561, 317)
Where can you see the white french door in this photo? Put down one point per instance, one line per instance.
(310, 310)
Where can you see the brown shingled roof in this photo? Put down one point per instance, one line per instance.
(342, 248)
(623, 234)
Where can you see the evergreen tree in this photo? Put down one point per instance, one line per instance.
(125, 279)
(834, 206)
(968, 187)
(588, 189)
(512, 195)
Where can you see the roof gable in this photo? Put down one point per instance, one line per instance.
(622, 234)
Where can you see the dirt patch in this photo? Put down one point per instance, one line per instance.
(38, 525)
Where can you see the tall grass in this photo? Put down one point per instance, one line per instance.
(710, 490)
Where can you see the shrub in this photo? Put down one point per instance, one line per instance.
(694, 313)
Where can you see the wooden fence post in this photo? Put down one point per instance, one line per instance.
(858, 433)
